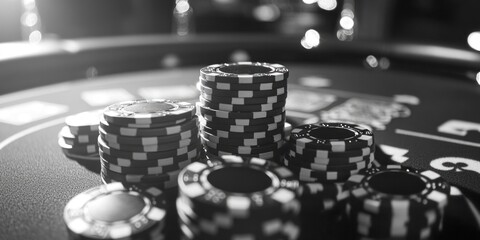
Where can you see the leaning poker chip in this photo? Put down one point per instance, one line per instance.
(83, 149)
(145, 170)
(148, 132)
(84, 122)
(236, 135)
(249, 86)
(123, 162)
(243, 93)
(72, 139)
(144, 155)
(155, 147)
(244, 121)
(148, 111)
(241, 115)
(263, 187)
(241, 108)
(241, 128)
(244, 101)
(322, 153)
(380, 189)
(101, 212)
(244, 72)
(242, 142)
(118, 139)
(336, 137)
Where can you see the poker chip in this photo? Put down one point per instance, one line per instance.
(236, 135)
(229, 197)
(320, 154)
(241, 108)
(242, 128)
(116, 211)
(83, 149)
(73, 139)
(244, 73)
(244, 122)
(328, 167)
(336, 137)
(148, 142)
(243, 93)
(271, 155)
(244, 101)
(395, 201)
(84, 122)
(148, 111)
(245, 149)
(241, 115)
(242, 141)
(247, 86)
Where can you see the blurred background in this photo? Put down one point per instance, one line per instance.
(442, 21)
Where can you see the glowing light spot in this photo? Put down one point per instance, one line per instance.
(371, 61)
(478, 78)
(304, 44)
(182, 6)
(30, 19)
(309, 1)
(29, 4)
(327, 5)
(312, 38)
(35, 37)
(239, 56)
(347, 22)
(474, 40)
(266, 13)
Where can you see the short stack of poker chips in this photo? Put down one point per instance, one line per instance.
(147, 141)
(233, 197)
(396, 202)
(329, 152)
(78, 139)
(242, 108)
(117, 211)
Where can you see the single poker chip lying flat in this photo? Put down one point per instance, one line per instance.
(244, 73)
(115, 211)
(243, 93)
(242, 108)
(84, 122)
(148, 111)
(251, 86)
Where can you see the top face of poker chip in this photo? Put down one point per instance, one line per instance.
(114, 211)
(336, 137)
(244, 72)
(148, 111)
(238, 184)
(84, 122)
(399, 186)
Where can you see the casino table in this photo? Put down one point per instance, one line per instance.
(420, 100)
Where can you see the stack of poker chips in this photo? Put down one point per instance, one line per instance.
(242, 108)
(147, 141)
(396, 202)
(233, 197)
(117, 211)
(78, 139)
(323, 156)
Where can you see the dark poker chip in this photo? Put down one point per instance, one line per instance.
(288, 161)
(148, 132)
(167, 180)
(244, 101)
(144, 170)
(237, 135)
(157, 125)
(320, 155)
(241, 115)
(154, 147)
(144, 155)
(241, 108)
(399, 188)
(124, 162)
(78, 149)
(270, 155)
(118, 139)
(84, 122)
(148, 112)
(336, 137)
(236, 87)
(245, 149)
(240, 141)
(240, 186)
(115, 211)
(310, 175)
(72, 139)
(242, 128)
(244, 73)
(243, 93)
(244, 121)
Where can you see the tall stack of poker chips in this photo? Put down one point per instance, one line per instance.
(147, 141)
(396, 202)
(242, 108)
(117, 211)
(323, 156)
(78, 139)
(235, 197)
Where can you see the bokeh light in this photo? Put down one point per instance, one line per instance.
(474, 40)
(327, 5)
